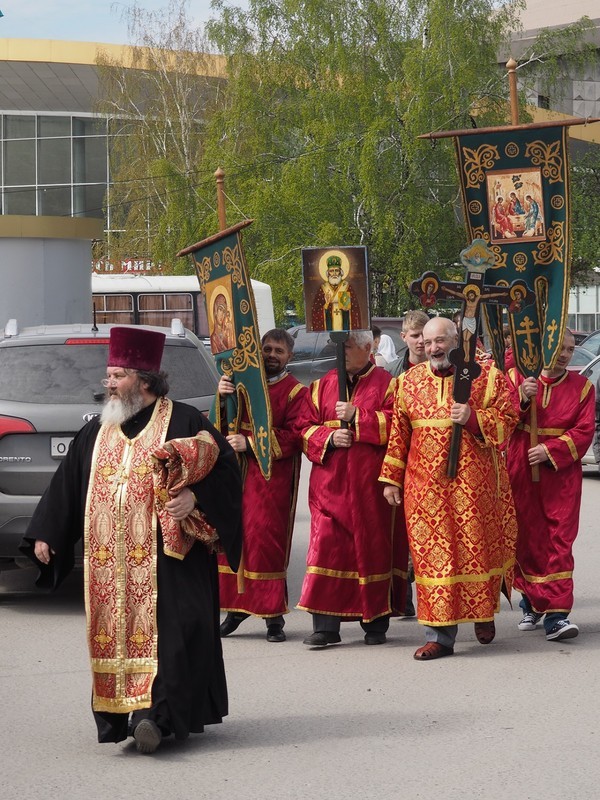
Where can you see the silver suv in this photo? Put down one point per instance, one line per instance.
(50, 386)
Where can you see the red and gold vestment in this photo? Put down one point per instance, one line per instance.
(548, 511)
(461, 531)
(120, 565)
(357, 554)
(268, 510)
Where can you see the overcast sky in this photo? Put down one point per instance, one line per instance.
(81, 20)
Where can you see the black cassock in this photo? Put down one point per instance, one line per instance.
(189, 690)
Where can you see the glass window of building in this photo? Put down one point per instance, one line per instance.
(53, 164)
(89, 126)
(19, 162)
(19, 126)
(20, 200)
(88, 200)
(89, 159)
(55, 201)
(54, 126)
(54, 161)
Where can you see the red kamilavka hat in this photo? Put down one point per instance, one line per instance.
(135, 348)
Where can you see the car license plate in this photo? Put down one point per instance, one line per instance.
(59, 446)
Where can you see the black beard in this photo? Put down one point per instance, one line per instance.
(271, 370)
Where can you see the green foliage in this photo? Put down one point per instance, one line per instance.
(318, 132)
(157, 104)
(316, 127)
(585, 216)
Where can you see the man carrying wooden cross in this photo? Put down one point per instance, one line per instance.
(548, 510)
(461, 530)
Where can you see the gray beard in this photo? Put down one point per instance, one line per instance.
(116, 411)
(440, 363)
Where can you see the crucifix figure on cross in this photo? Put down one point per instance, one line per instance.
(472, 293)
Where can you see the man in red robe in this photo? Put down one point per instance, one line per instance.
(357, 553)
(413, 323)
(268, 507)
(548, 510)
(461, 530)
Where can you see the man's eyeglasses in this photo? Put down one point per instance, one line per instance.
(113, 379)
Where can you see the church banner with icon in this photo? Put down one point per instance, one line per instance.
(234, 338)
(336, 288)
(515, 189)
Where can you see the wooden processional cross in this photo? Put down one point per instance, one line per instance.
(429, 288)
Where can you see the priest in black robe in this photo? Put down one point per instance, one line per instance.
(175, 622)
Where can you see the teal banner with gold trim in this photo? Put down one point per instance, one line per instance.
(234, 337)
(515, 189)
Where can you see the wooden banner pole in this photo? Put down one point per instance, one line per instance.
(220, 178)
(340, 338)
(511, 66)
(222, 214)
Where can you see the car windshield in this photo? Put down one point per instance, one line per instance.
(592, 343)
(61, 373)
(581, 357)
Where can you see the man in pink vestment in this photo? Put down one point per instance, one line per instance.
(548, 511)
(268, 507)
(357, 553)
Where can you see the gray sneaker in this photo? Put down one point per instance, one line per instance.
(529, 621)
(562, 630)
(147, 736)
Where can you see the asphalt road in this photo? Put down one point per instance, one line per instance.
(519, 717)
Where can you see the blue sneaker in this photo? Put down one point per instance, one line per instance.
(562, 630)
(529, 621)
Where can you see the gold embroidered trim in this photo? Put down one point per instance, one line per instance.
(294, 391)
(336, 573)
(381, 419)
(522, 426)
(431, 423)
(585, 391)
(254, 576)
(315, 394)
(571, 445)
(453, 579)
(275, 447)
(395, 462)
(556, 576)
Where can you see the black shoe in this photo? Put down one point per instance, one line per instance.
(275, 633)
(322, 638)
(375, 637)
(231, 623)
(409, 609)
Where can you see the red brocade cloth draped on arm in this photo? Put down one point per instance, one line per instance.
(548, 511)
(179, 463)
(268, 509)
(358, 553)
(462, 531)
